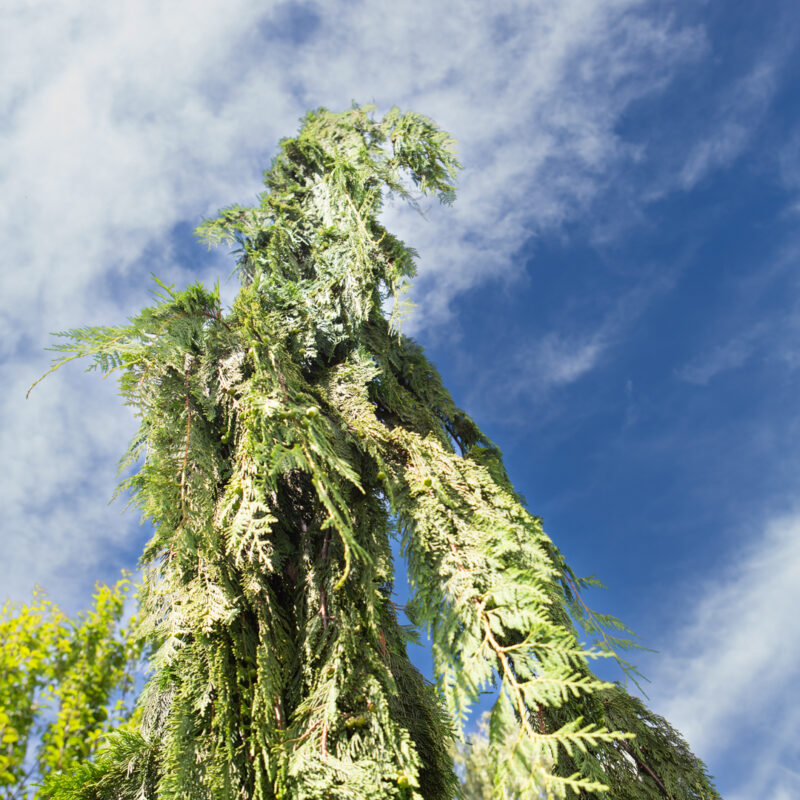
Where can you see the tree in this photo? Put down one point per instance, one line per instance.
(281, 446)
(62, 684)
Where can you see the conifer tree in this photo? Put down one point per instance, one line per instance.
(282, 445)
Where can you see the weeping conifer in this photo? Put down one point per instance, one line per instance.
(282, 445)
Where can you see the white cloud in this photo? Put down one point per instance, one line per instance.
(762, 340)
(729, 676)
(536, 115)
(507, 387)
(118, 123)
(561, 362)
(58, 529)
(721, 358)
(534, 371)
(555, 360)
(732, 124)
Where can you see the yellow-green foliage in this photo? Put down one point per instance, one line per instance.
(33, 638)
(60, 683)
(282, 445)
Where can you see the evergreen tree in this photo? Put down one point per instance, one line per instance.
(282, 445)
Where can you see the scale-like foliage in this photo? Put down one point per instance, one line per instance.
(281, 447)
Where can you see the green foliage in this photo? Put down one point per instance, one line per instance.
(281, 447)
(60, 683)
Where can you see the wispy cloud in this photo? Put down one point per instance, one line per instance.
(535, 100)
(732, 124)
(722, 357)
(724, 677)
(559, 361)
(746, 337)
(533, 372)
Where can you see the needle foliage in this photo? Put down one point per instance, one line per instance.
(282, 445)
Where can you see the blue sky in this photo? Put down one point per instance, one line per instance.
(614, 296)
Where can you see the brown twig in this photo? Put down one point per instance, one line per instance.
(641, 764)
(540, 717)
(217, 317)
(309, 731)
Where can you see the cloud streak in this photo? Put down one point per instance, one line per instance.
(747, 337)
(733, 123)
(532, 373)
(722, 357)
(732, 666)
